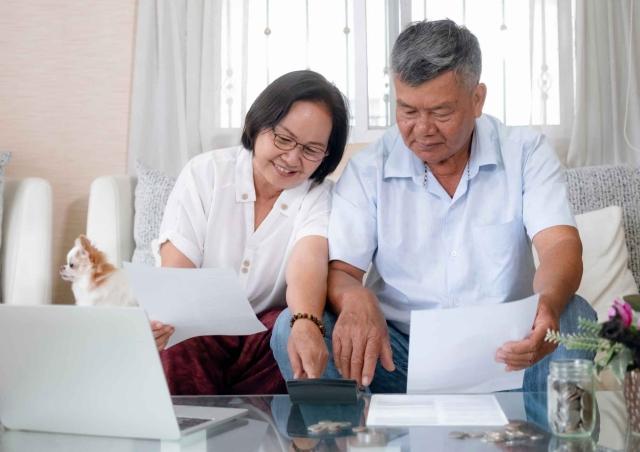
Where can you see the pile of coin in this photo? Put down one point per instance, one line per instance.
(570, 408)
(513, 434)
(328, 427)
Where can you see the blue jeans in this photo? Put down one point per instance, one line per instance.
(535, 377)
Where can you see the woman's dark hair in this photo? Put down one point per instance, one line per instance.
(276, 100)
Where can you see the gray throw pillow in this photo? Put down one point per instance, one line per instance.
(152, 191)
(596, 187)
(4, 159)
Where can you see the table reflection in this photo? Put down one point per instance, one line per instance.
(273, 423)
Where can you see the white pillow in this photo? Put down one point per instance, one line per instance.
(605, 258)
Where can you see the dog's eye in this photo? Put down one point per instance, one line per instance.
(71, 265)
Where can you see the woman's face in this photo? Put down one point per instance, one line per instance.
(307, 123)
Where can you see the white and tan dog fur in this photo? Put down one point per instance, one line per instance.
(94, 280)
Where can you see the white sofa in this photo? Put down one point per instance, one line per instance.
(110, 217)
(26, 242)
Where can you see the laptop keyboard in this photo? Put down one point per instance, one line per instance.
(188, 422)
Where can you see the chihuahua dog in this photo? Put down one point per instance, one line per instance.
(95, 281)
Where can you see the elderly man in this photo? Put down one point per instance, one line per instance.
(445, 207)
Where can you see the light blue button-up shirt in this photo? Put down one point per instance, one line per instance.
(429, 250)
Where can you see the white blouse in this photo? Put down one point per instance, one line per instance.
(210, 218)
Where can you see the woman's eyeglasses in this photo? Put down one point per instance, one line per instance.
(310, 152)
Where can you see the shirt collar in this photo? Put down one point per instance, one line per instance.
(485, 146)
(402, 162)
(485, 151)
(246, 192)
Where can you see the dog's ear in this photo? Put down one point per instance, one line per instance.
(83, 244)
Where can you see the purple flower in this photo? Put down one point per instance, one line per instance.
(623, 310)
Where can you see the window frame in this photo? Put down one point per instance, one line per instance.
(399, 15)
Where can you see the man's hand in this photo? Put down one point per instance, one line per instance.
(360, 337)
(518, 355)
(307, 351)
(161, 333)
(556, 280)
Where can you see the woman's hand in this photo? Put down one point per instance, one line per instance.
(307, 351)
(161, 333)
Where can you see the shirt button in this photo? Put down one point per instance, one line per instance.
(244, 269)
(246, 263)
(245, 196)
(454, 253)
(284, 206)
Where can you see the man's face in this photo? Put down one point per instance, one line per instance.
(436, 119)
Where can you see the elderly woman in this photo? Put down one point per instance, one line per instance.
(263, 209)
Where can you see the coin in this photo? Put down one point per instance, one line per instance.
(316, 428)
(458, 435)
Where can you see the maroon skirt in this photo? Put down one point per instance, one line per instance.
(217, 365)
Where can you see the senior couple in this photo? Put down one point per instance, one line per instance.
(442, 210)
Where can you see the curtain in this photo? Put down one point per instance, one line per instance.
(175, 92)
(606, 128)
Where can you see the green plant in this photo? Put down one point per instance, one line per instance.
(615, 341)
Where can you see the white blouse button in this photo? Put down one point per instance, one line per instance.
(245, 196)
(244, 269)
(284, 206)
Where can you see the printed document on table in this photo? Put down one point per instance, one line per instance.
(195, 301)
(435, 409)
(453, 350)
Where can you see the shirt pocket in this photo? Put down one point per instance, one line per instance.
(496, 257)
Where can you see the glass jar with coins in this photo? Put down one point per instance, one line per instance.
(571, 398)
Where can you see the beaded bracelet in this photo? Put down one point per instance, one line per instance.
(304, 315)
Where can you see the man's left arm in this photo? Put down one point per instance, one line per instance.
(556, 280)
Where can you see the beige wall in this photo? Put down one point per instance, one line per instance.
(65, 76)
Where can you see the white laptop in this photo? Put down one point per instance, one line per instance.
(91, 371)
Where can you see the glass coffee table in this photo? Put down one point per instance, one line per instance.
(273, 423)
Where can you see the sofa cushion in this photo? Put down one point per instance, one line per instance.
(152, 191)
(606, 273)
(592, 188)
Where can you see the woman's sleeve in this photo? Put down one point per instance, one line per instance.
(314, 212)
(185, 216)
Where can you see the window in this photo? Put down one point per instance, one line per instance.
(527, 54)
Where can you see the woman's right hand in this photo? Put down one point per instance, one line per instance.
(161, 333)
(307, 350)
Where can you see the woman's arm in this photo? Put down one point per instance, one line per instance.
(306, 278)
(173, 257)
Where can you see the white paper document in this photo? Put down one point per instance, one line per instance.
(453, 350)
(195, 301)
(435, 409)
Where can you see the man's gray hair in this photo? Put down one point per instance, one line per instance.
(426, 49)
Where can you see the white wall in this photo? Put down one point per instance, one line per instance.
(65, 76)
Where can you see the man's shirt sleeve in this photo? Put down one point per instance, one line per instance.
(545, 199)
(352, 224)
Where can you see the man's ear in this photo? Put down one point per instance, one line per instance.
(478, 97)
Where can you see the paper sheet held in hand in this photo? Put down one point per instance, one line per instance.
(195, 301)
(453, 350)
